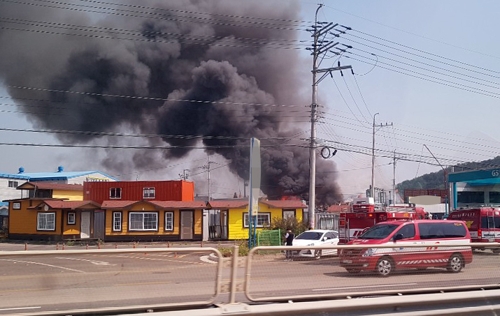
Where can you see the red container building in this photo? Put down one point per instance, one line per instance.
(177, 190)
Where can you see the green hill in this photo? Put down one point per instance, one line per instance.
(436, 180)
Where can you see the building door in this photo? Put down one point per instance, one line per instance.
(223, 224)
(85, 225)
(217, 224)
(205, 225)
(186, 225)
(99, 225)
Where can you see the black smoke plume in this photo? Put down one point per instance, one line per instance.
(220, 72)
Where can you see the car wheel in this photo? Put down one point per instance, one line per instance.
(317, 254)
(353, 271)
(455, 263)
(385, 266)
(496, 250)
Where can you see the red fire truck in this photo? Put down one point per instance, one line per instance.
(483, 224)
(364, 214)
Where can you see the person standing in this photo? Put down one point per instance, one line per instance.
(289, 242)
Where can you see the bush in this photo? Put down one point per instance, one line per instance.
(227, 251)
(290, 222)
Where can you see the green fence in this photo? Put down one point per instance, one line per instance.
(269, 238)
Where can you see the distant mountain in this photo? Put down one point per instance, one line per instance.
(436, 180)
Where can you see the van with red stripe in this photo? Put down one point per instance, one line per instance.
(483, 224)
(425, 233)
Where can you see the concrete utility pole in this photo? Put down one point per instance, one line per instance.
(320, 46)
(184, 175)
(446, 198)
(372, 189)
(207, 167)
(394, 179)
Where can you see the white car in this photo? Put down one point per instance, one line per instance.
(316, 237)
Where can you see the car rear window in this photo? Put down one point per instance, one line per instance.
(441, 230)
(490, 222)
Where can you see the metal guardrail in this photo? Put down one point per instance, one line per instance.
(135, 308)
(252, 252)
(480, 302)
(342, 302)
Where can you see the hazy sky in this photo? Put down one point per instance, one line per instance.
(429, 68)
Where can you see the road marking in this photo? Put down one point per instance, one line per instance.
(98, 263)
(207, 259)
(144, 283)
(363, 287)
(19, 308)
(25, 290)
(44, 264)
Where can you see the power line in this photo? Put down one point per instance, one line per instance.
(135, 97)
(421, 51)
(149, 15)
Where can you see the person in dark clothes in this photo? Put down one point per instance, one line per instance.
(289, 242)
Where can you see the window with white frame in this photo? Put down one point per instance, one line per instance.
(143, 221)
(263, 219)
(169, 221)
(71, 218)
(16, 205)
(117, 221)
(115, 193)
(148, 193)
(46, 221)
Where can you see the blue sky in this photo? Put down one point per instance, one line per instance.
(451, 41)
(455, 124)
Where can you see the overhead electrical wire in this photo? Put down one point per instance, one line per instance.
(136, 97)
(156, 99)
(149, 15)
(496, 86)
(427, 53)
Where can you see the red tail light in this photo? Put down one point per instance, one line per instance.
(479, 233)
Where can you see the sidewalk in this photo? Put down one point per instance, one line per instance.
(15, 245)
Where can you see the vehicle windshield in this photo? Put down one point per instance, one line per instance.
(379, 231)
(310, 235)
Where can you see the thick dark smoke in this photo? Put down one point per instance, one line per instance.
(217, 52)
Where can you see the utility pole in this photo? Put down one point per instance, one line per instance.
(207, 167)
(184, 175)
(208, 178)
(394, 179)
(320, 46)
(446, 198)
(372, 189)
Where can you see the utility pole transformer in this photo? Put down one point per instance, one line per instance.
(319, 30)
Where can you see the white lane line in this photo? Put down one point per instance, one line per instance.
(98, 263)
(44, 264)
(19, 308)
(363, 287)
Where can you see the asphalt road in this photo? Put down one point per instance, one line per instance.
(38, 284)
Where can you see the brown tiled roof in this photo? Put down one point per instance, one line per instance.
(284, 203)
(227, 204)
(117, 203)
(175, 205)
(42, 185)
(338, 208)
(72, 205)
